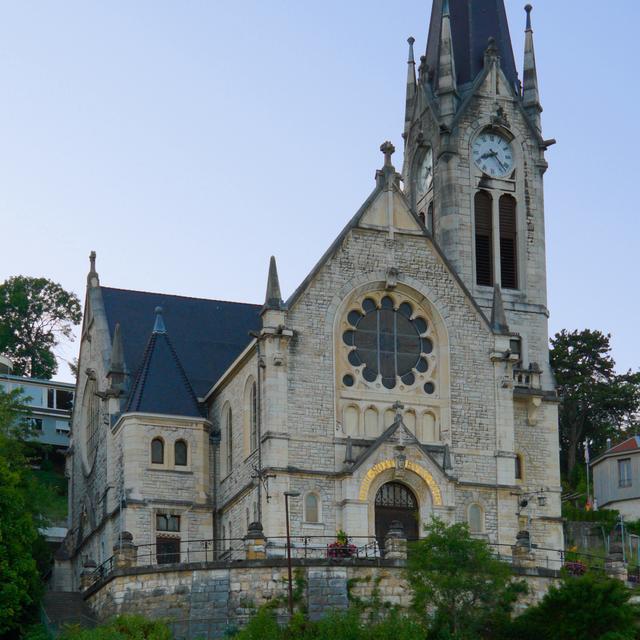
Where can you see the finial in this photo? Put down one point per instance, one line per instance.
(92, 278)
(411, 40)
(159, 326)
(528, 8)
(388, 149)
(492, 47)
(498, 316)
(398, 407)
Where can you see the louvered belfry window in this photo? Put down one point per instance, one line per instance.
(484, 252)
(508, 245)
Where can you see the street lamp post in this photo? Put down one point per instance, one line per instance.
(287, 495)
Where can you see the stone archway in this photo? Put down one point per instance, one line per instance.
(395, 501)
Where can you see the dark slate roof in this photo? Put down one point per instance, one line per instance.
(161, 385)
(473, 22)
(207, 335)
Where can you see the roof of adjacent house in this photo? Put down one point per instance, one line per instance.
(473, 22)
(206, 336)
(626, 446)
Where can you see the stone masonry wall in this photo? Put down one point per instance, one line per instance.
(207, 600)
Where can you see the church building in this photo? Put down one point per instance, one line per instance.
(406, 377)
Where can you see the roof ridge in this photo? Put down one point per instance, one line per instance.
(183, 374)
(176, 295)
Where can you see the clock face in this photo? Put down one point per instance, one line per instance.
(425, 172)
(492, 154)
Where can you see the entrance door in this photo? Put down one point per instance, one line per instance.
(395, 501)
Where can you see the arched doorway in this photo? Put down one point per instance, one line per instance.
(395, 501)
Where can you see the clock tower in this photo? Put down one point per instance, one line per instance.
(475, 160)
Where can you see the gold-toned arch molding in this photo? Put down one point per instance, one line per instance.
(380, 467)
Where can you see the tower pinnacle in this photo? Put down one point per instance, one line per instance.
(530, 93)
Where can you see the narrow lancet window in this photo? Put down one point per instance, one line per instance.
(484, 239)
(508, 243)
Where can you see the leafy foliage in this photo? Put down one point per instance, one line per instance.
(20, 583)
(34, 313)
(597, 403)
(590, 607)
(121, 628)
(458, 586)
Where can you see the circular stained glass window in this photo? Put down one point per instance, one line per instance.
(387, 342)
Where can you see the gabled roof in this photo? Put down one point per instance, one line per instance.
(473, 22)
(161, 385)
(631, 444)
(207, 335)
(626, 446)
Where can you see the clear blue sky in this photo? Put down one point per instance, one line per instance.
(187, 141)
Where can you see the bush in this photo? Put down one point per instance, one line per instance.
(121, 628)
(590, 607)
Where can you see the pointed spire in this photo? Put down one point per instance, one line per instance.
(159, 326)
(273, 299)
(447, 87)
(117, 352)
(530, 93)
(92, 277)
(498, 316)
(161, 385)
(471, 23)
(411, 86)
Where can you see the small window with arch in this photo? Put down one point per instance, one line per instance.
(157, 451)
(475, 518)
(311, 508)
(180, 453)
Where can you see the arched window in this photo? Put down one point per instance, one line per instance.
(484, 238)
(519, 467)
(475, 517)
(180, 453)
(229, 438)
(311, 508)
(92, 416)
(508, 243)
(157, 451)
(253, 417)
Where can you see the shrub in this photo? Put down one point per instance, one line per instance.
(121, 628)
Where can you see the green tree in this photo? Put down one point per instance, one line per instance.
(591, 607)
(458, 586)
(20, 581)
(597, 403)
(34, 314)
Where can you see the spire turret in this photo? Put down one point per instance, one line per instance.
(498, 316)
(530, 93)
(471, 24)
(447, 88)
(411, 86)
(273, 298)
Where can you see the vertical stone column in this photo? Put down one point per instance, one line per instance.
(522, 553)
(87, 577)
(614, 565)
(124, 552)
(255, 543)
(395, 542)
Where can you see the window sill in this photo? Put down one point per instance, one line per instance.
(185, 471)
(313, 525)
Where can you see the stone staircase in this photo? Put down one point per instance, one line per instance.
(66, 607)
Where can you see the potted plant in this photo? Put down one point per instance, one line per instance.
(341, 547)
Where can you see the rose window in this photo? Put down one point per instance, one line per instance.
(389, 343)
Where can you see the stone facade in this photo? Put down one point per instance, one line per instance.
(321, 402)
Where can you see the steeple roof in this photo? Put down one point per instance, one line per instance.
(473, 22)
(161, 385)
